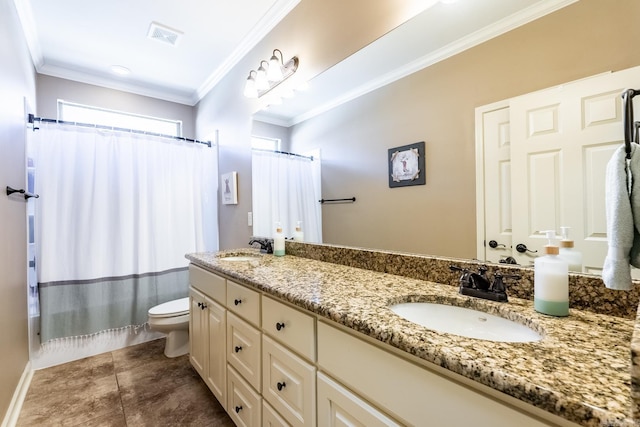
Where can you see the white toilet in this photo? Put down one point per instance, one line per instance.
(172, 318)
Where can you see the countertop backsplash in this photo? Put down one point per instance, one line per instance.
(586, 291)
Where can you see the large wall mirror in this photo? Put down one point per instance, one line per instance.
(534, 45)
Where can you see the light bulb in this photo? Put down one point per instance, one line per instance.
(261, 78)
(250, 90)
(274, 74)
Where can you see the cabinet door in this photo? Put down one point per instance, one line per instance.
(339, 407)
(198, 332)
(244, 349)
(245, 405)
(288, 384)
(216, 377)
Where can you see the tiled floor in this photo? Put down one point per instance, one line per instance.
(134, 386)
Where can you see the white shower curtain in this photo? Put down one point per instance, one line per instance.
(286, 189)
(117, 212)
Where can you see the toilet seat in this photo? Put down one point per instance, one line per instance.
(173, 308)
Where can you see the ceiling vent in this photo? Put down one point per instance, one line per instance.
(164, 34)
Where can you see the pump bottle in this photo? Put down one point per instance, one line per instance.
(278, 241)
(551, 281)
(298, 235)
(567, 252)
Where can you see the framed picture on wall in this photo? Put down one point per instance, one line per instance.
(229, 188)
(406, 165)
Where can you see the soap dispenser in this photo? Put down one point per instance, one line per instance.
(278, 241)
(298, 235)
(551, 281)
(571, 255)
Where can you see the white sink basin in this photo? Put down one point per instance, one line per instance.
(464, 322)
(245, 257)
(238, 258)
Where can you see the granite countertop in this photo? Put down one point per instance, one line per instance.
(580, 370)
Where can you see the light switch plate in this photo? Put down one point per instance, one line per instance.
(250, 219)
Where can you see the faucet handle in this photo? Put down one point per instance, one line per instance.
(498, 282)
(465, 277)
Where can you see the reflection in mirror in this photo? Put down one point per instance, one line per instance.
(435, 101)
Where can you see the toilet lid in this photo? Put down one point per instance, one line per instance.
(171, 308)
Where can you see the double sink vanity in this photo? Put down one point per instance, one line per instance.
(327, 335)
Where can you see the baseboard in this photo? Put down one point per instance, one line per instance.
(11, 417)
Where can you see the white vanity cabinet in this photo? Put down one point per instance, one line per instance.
(410, 393)
(207, 330)
(273, 364)
(288, 356)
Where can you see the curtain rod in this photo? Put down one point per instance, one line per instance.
(33, 119)
(283, 152)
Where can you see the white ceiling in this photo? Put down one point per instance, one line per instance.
(80, 40)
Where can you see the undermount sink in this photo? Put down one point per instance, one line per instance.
(464, 322)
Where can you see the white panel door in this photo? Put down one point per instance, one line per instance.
(495, 143)
(561, 141)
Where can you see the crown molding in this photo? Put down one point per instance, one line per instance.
(30, 31)
(108, 82)
(266, 24)
(500, 27)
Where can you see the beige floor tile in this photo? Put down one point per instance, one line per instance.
(135, 386)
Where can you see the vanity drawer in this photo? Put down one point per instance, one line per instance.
(289, 326)
(270, 418)
(336, 405)
(288, 384)
(244, 349)
(244, 404)
(208, 283)
(244, 301)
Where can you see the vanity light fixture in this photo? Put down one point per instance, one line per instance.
(269, 75)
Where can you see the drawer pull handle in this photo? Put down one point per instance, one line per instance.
(279, 326)
(237, 302)
(238, 349)
(281, 385)
(238, 409)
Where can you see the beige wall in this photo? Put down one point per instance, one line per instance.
(50, 89)
(436, 105)
(17, 81)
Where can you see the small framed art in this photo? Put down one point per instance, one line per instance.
(229, 188)
(406, 165)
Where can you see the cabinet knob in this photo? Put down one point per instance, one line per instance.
(238, 349)
(279, 325)
(199, 304)
(237, 302)
(203, 306)
(238, 409)
(281, 385)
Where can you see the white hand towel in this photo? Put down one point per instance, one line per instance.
(621, 209)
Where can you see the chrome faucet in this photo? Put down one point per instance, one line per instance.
(478, 284)
(266, 244)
